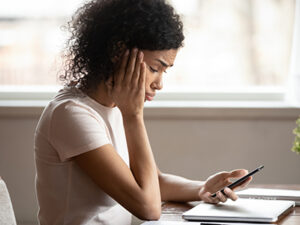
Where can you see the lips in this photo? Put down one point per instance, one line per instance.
(149, 97)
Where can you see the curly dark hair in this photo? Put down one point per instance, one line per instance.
(102, 29)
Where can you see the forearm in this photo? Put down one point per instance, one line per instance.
(175, 188)
(142, 162)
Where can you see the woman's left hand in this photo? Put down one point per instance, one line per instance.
(216, 182)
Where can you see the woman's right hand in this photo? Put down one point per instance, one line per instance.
(220, 180)
(128, 87)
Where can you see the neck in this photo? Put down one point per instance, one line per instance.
(100, 95)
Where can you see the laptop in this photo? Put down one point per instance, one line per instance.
(242, 210)
(195, 223)
(271, 194)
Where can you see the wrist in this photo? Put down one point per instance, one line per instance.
(201, 191)
(132, 117)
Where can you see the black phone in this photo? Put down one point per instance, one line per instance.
(239, 181)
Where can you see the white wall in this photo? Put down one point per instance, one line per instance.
(191, 142)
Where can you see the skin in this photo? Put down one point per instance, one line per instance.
(142, 187)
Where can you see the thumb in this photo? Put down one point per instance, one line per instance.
(238, 173)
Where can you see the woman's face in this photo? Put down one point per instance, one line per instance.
(157, 62)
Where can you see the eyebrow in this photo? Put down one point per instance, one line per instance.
(163, 63)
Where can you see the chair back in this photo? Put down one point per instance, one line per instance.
(7, 216)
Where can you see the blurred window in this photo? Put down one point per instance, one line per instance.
(31, 40)
(230, 45)
(234, 44)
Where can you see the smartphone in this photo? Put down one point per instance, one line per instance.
(239, 181)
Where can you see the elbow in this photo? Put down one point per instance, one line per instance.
(149, 211)
(153, 213)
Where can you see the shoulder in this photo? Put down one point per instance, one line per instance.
(74, 112)
(70, 101)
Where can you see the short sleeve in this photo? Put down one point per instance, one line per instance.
(76, 129)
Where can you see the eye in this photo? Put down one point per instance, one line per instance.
(153, 70)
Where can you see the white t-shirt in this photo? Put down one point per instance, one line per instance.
(70, 125)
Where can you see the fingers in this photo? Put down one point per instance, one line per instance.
(138, 69)
(221, 196)
(142, 77)
(230, 194)
(222, 179)
(131, 66)
(206, 197)
(120, 73)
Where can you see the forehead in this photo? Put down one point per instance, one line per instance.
(167, 56)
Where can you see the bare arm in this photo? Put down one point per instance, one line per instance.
(176, 188)
(137, 187)
(179, 189)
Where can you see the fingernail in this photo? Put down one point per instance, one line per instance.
(127, 52)
(226, 190)
(141, 54)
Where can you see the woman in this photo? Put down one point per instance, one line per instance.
(93, 158)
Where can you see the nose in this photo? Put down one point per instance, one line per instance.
(157, 84)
